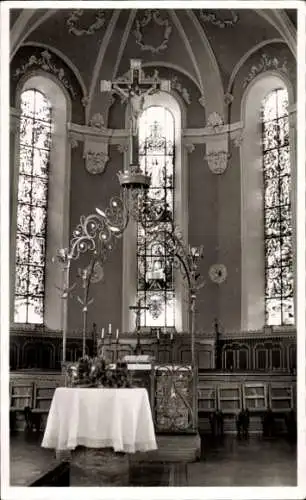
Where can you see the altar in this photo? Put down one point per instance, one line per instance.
(100, 418)
(96, 430)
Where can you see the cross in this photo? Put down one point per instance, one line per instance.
(133, 91)
(137, 309)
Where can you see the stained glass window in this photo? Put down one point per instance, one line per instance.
(155, 280)
(32, 201)
(279, 296)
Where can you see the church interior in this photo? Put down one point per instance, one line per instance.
(153, 240)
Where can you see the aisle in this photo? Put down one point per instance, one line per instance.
(255, 462)
(230, 462)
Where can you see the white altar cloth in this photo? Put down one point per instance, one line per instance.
(100, 418)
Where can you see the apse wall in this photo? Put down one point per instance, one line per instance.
(203, 66)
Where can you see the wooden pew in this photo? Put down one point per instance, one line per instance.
(21, 396)
(42, 397)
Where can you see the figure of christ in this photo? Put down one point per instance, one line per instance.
(135, 97)
(137, 310)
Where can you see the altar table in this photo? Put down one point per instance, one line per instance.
(100, 418)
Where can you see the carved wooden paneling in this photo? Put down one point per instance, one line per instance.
(204, 359)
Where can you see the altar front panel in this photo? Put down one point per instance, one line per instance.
(175, 408)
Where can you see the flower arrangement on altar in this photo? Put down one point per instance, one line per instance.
(94, 372)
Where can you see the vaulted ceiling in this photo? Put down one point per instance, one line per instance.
(196, 43)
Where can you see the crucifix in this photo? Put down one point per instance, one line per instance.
(133, 91)
(137, 309)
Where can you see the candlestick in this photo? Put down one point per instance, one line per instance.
(110, 328)
(102, 333)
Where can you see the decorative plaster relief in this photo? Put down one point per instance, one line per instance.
(202, 101)
(96, 156)
(217, 161)
(73, 142)
(189, 147)
(265, 63)
(44, 62)
(85, 101)
(219, 22)
(176, 84)
(74, 18)
(228, 99)
(152, 16)
(95, 163)
(123, 148)
(215, 121)
(97, 121)
(217, 273)
(238, 140)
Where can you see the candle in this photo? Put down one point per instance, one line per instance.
(117, 333)
(110, 328)
(171, 336)
(157, 334)
(102, 333)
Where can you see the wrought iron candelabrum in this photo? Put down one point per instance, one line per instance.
(186, 259)
(96, 235)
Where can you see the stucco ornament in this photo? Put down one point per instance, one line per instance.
(97, 121)
(215, 121)
(73, 21)
(152, 16)
(190, 147)
(85, 101)
(95, 162)
(73, 142)
(123, 148)
(176, 84)
(45, 62)
(265, 63)
(228, 98)
(238, 140)
(218, 21)
(217, 161)
(217, 273)
(202, 100)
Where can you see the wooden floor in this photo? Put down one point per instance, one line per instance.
(227, 462)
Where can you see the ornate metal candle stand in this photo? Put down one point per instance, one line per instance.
(186, 259)
(96, 234)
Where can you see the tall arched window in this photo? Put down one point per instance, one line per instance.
(147, 272)
(155, 278)
(40, 185)
(279, 300)
(32, 207)
(268, 204)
